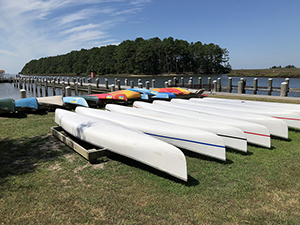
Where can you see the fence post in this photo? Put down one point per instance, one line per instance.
(241, 87)
(255, 86)
(229, 84)
(284, 89)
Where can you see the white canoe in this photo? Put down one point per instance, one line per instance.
(260, 104)
(233, 137)
(292, 119)
(124, 141)
(56, 101)
(195, 140)
(240, 144)
(276, 127)
(255, 133)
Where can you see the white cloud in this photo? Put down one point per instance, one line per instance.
(31, 29)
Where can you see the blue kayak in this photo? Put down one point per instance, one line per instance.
(26, 104)
(76, 101)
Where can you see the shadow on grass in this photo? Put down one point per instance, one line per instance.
(133, 163)
(21, 156)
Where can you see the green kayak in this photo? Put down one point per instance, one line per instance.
(92, 101)
(7, 105)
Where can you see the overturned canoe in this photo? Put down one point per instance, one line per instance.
(7, 105)
(72, 101)
(292, 119)
(50, 102)
(195, 140)
(124, 141)
(255, 133)
(26, 104)
(233, 137)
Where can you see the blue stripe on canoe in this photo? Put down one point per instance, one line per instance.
(180, 139)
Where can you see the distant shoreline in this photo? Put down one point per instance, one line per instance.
(270, 73)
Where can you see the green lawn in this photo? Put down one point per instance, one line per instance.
(44, 182)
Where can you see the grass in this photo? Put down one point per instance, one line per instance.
(44, 182)
(278, 72)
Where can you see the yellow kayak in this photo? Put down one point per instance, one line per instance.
(128, 93)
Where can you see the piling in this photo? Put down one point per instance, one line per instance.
(284, 89)
(23, 93)
(97, 82)
(200, 81)
(76, 88)
(131, 84)
(270, 80)
(68, 91)
(255, 86)
(169, 83)
(166, 84)
(215, 84)
(106, 83)
(119, 84)
(147, 84)
(241, 87)
(229, 84)
(112, 88)
(90, 89)
(153, 83)
(219, 85)
(140, 85)
(63, 89)
(182, 81)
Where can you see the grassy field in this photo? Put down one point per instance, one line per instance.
(44, 182)
(278, 72)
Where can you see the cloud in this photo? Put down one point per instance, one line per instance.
(31, 29)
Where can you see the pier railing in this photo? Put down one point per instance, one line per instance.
(78, 85)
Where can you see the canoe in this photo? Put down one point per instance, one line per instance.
(292, 119)
(233, 137)
(50, 102)
(124, 141)
(131, 95)
(256, 134)
(261, 104)
(170, 90)
(26, 104)
(110, 96)
(195, 140)
(7, 105)
(275, 127)
(72, 101)
(151, 94)
(93, 101)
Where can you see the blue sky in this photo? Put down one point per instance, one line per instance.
(257, 33)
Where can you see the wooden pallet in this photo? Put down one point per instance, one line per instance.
(91, 154)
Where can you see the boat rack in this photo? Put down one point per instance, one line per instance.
(89, 152)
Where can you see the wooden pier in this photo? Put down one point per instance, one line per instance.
(78, 85)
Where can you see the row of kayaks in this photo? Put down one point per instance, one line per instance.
(154, 133)
(8, 105)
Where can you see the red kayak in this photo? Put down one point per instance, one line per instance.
(111, 96)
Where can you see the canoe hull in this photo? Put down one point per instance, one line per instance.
(131, 143)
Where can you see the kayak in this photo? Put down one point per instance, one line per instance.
(170, 90)
(148, 94)
(124, 141)
(195, 140)
(131, 95)
(110, 96)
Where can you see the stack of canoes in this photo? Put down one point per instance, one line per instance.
(203, 126)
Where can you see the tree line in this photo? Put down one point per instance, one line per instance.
(150, 57)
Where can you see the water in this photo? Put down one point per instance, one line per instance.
(8, 89)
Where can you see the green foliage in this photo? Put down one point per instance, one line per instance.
(152, 56)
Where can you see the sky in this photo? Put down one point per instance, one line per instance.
(258, 34)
